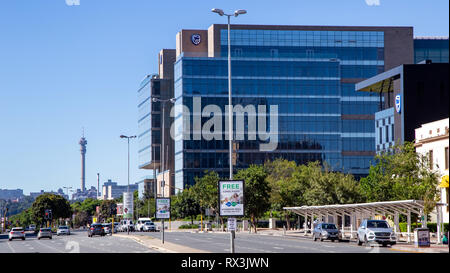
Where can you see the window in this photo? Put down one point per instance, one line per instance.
(392, 132)
(387, 133)
(381, 135)
(446, 158)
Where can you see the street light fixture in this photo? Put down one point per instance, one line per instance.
(230, 107)
(128, 138)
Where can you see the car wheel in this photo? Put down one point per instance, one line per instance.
(10, 239)
(358, 241)
(385, 244)
(366, 243)
(332, 240)
(321, 239)
(23, 238)
(39, 238)
(314, 237)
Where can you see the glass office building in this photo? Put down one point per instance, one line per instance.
(431, 48)
(308, 72)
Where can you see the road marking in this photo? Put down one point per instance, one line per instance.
(276, 247)
(10, 247)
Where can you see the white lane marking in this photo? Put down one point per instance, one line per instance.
(10, 247)
(276, 247)
(52, 248)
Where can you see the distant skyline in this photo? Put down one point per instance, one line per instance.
(64, 67)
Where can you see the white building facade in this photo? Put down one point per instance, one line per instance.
(432, 140)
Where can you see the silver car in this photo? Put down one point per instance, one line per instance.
(63, 230)
(45, 233)
(326, 231)
(16, 233)
(375, 231)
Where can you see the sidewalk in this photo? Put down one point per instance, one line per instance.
(156, 244)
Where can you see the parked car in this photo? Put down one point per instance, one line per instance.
(116, 227)
(125, 225)
(107, 228)
(96, 229)
(45, 233)
(326, 231)
(32, 227)
(63, 230)
(376, 231)
(149, 226)
(141, 222)
(16, 233)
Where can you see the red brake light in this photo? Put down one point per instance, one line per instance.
(92, 228)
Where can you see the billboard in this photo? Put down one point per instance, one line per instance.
(231, 198)
(119, 208)
(162, 208)
(127, 205)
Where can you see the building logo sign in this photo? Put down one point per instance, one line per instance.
(398, 103)
(231, 198)
(196, 39)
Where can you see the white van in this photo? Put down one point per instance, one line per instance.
(141, 222)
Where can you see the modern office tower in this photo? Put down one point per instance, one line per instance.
(431, 48)
(159, 86)
(309, 72)
(416, 94)
(111, 190)
(83, 143)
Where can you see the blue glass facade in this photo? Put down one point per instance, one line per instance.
(310, 75)
(434, 49)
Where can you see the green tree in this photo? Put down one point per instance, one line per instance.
(184, 205)
(401, 175)
(204, 192)
(285, 191)
(108, 209)
(257, 191)
(59, 205)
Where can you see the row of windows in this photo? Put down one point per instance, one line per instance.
(261, 68)
(301, 51)
(359, 107)
(358, 126)
(358, 144)
(261, 86)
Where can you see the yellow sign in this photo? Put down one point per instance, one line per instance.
(444, 182)
(94, 219)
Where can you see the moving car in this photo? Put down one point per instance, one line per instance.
(16, 233)
(32, 227)
(116, 227)
(107, 228)
(96, 229)
(45, 233)
(149, 226)
(376, 231)
(326, 231)
(63, 230)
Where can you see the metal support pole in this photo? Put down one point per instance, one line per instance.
(230, 106)
(438, 224)
(343, 225)
(232, 234)
(408, 230)
(305, 225)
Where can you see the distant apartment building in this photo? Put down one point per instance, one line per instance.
(59, 192)
(6, 194)
(82, 195)
(432, 140)
(111, 190)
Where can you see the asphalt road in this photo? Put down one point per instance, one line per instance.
(251, 243)
(77, 242)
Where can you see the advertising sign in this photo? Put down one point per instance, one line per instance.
(398, 104)
(231, 198)
(422, 237)
(127, 205)
(119, 208)
(162, 208)
(231, 224)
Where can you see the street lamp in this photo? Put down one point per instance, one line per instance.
(162, 151)
(128, 138)
(230, 107)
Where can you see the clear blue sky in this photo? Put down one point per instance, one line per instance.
(64, 67)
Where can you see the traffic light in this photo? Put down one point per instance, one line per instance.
(46, 215)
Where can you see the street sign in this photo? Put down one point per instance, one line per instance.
(231, 224)
(231, 198)
(163, 208)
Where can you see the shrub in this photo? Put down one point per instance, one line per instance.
(431, 226)
(188, 226)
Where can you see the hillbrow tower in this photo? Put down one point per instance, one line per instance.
(83, 143)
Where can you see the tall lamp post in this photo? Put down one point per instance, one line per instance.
(230, 106)
(162, 151)
(128, 187)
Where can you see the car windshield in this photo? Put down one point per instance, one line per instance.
(45, 229)
(63, 227)
(17, 229)
(377, 224)
(328, 226)
(148, 223)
